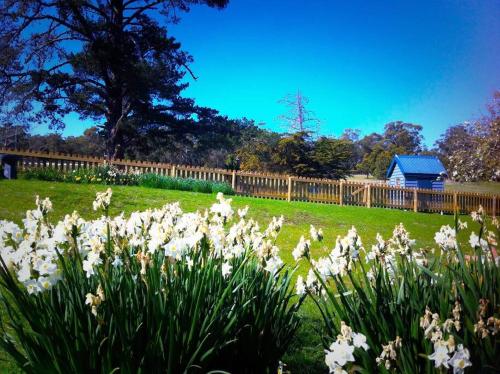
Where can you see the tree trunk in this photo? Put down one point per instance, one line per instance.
(114, 134)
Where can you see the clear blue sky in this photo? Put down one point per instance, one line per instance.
(361, 63)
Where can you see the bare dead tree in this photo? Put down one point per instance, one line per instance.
(298, 118)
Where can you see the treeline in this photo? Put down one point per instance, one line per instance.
(470, 150)
(241, 144)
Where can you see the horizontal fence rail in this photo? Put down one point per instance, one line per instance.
(275, 186)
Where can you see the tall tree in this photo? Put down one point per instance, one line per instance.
(405, 136)
(293, 154)
(353, 136)
(298, 118)
(110, 61)
(332, 158)
(378, 160)
(471, 150)
(13, 136)
(377, 150)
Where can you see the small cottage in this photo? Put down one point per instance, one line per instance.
(412, 171)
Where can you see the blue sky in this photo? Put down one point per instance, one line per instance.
(360, 63)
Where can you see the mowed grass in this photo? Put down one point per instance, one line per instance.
(17, 196)
(476, 187)
(306, 354)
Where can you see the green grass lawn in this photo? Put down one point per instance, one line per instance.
(306, 354)
(477, 187)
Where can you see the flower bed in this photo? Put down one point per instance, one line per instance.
(109, 175)
(161, 291)
(400, 309)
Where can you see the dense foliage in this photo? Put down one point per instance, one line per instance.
(377, 150)
(115, 63)
(110, 175)
(470, 150)
(408, 310)
(160, 291)
(241, 144)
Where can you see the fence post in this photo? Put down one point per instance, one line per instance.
(174, 172)
(289, 195)
(494, 212)
(368, 196)
(415, 200)
(455, 202)
(233, 180)
(341, 192)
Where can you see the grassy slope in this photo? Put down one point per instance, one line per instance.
(19, 195)
(306, 354)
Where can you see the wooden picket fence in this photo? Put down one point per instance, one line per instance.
(275, 186)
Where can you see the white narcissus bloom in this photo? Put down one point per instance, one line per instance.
(359, 341)
(311, 280)
(440, 356)
(274, 227)
(301, 249)
(93, 259)
(103, 199)
(460, 360)
(24, 272)
(176, 248)
(45, 267)
(400, 241)
(45, 205)
(339, 370)
(32, 286)
(446, 238)
(316, 235)
(341, 352)
(333, 366)
(300, 286)
(223, 208)
(226, 269)
(478, 216)
(117, 262)
(243, 212)
(475, 242)
(189, 262)
(237, 251)
(89, 299)
(273, 264)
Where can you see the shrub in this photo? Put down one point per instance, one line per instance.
(44, 174)
(161, 291)
(408, 310)
(183, 184)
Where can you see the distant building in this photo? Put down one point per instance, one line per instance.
(411, 171)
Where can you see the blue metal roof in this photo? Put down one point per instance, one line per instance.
(413, 164)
